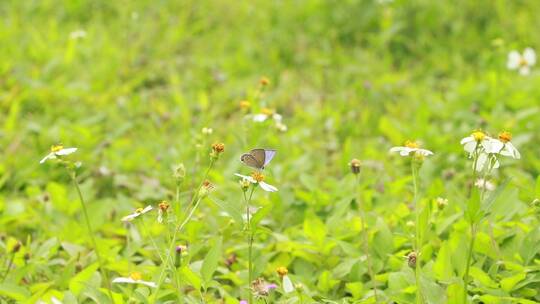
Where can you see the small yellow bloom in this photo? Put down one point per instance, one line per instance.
(412, 144)
(136, 276)
(282, 271)
(505, 136)
(257, 176)
(478, 135)
(267, 111)
(264, 81)
(245, 105)
(163, 206)
(56, 148)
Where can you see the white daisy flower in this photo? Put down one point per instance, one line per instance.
(134, 278)
(267, 114)
(411, 148)
(508, 148)
(479, 139)
(258, 178)
(484, 184)
(78, 34)
(57, 151)
(138, 211)
(521, 62)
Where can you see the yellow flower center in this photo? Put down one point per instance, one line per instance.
(139, 210)
(412, 144)
(478, 135)
(267, 111)
(136, 276)
(257, 176)
(505, 136)
(244, 104)
(282, 271)
(56, 148)
(523, 62)
(163, 206)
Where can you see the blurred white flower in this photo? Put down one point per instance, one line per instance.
(480, 142)
(411, 148)
(56, 151)
(521, 62)
(485, 158)
(138, 211)
(134, 278)
(258, 178)
(78, 34)
(281, 127)
(484, 184)
(286, 282)
(207, 131)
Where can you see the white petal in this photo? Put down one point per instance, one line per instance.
(470, 146)
(129, 218)
(287, 284)
(65, 151)
(260, 117)
(146, 209)
(47, 157)
(149, 284)
(524, 70)
(277, 117)
(268, 187)
(514, 59)
(424, 152)
(530, 56)
(467, 140)
(492, 145)
(123, 280)
(248, 178)
(480, 162)
(510, 150)
(403, 151)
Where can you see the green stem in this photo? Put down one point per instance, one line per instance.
(365, 235)
(250, 242)
(468, 265)
(417, 243)
(73, 176)
(179, 227)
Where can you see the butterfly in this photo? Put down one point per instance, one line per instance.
(258, 158)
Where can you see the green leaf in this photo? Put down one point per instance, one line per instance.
(231, 210)
(472, 212)
(79, 281)
(486, 206)
(356, 289)
(482, 277)
(314, 228)
(443, 264)
(507, 284)
(13, 291)
(259, 216)
(191, 277)
(210, 262)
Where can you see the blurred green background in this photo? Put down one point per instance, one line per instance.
(350, 78)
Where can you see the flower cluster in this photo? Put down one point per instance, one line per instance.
(270, 114)
(485, 149)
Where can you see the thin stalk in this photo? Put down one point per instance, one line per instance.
(10, 263)
(366, 237)
(179, 227)
(73, 176)
(417, 268)
(250, 242)
(468, 265)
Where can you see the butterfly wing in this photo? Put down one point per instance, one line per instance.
(251, 161)
(268, 155)
(260, 156)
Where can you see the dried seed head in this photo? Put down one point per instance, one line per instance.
(179, 172)
(217, 149)
(355, 165)
(264, 81)
(163, 206)
(411, 259)
(16, 247)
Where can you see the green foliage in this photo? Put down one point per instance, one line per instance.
(133, 83)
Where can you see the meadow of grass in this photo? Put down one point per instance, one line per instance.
(149, 90)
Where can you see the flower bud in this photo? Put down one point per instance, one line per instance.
(206, 188)
(217, 149)
(411, 259)
(355, 165)
(264, 81)
(441, 202)
(179, 172)
(244, 184)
